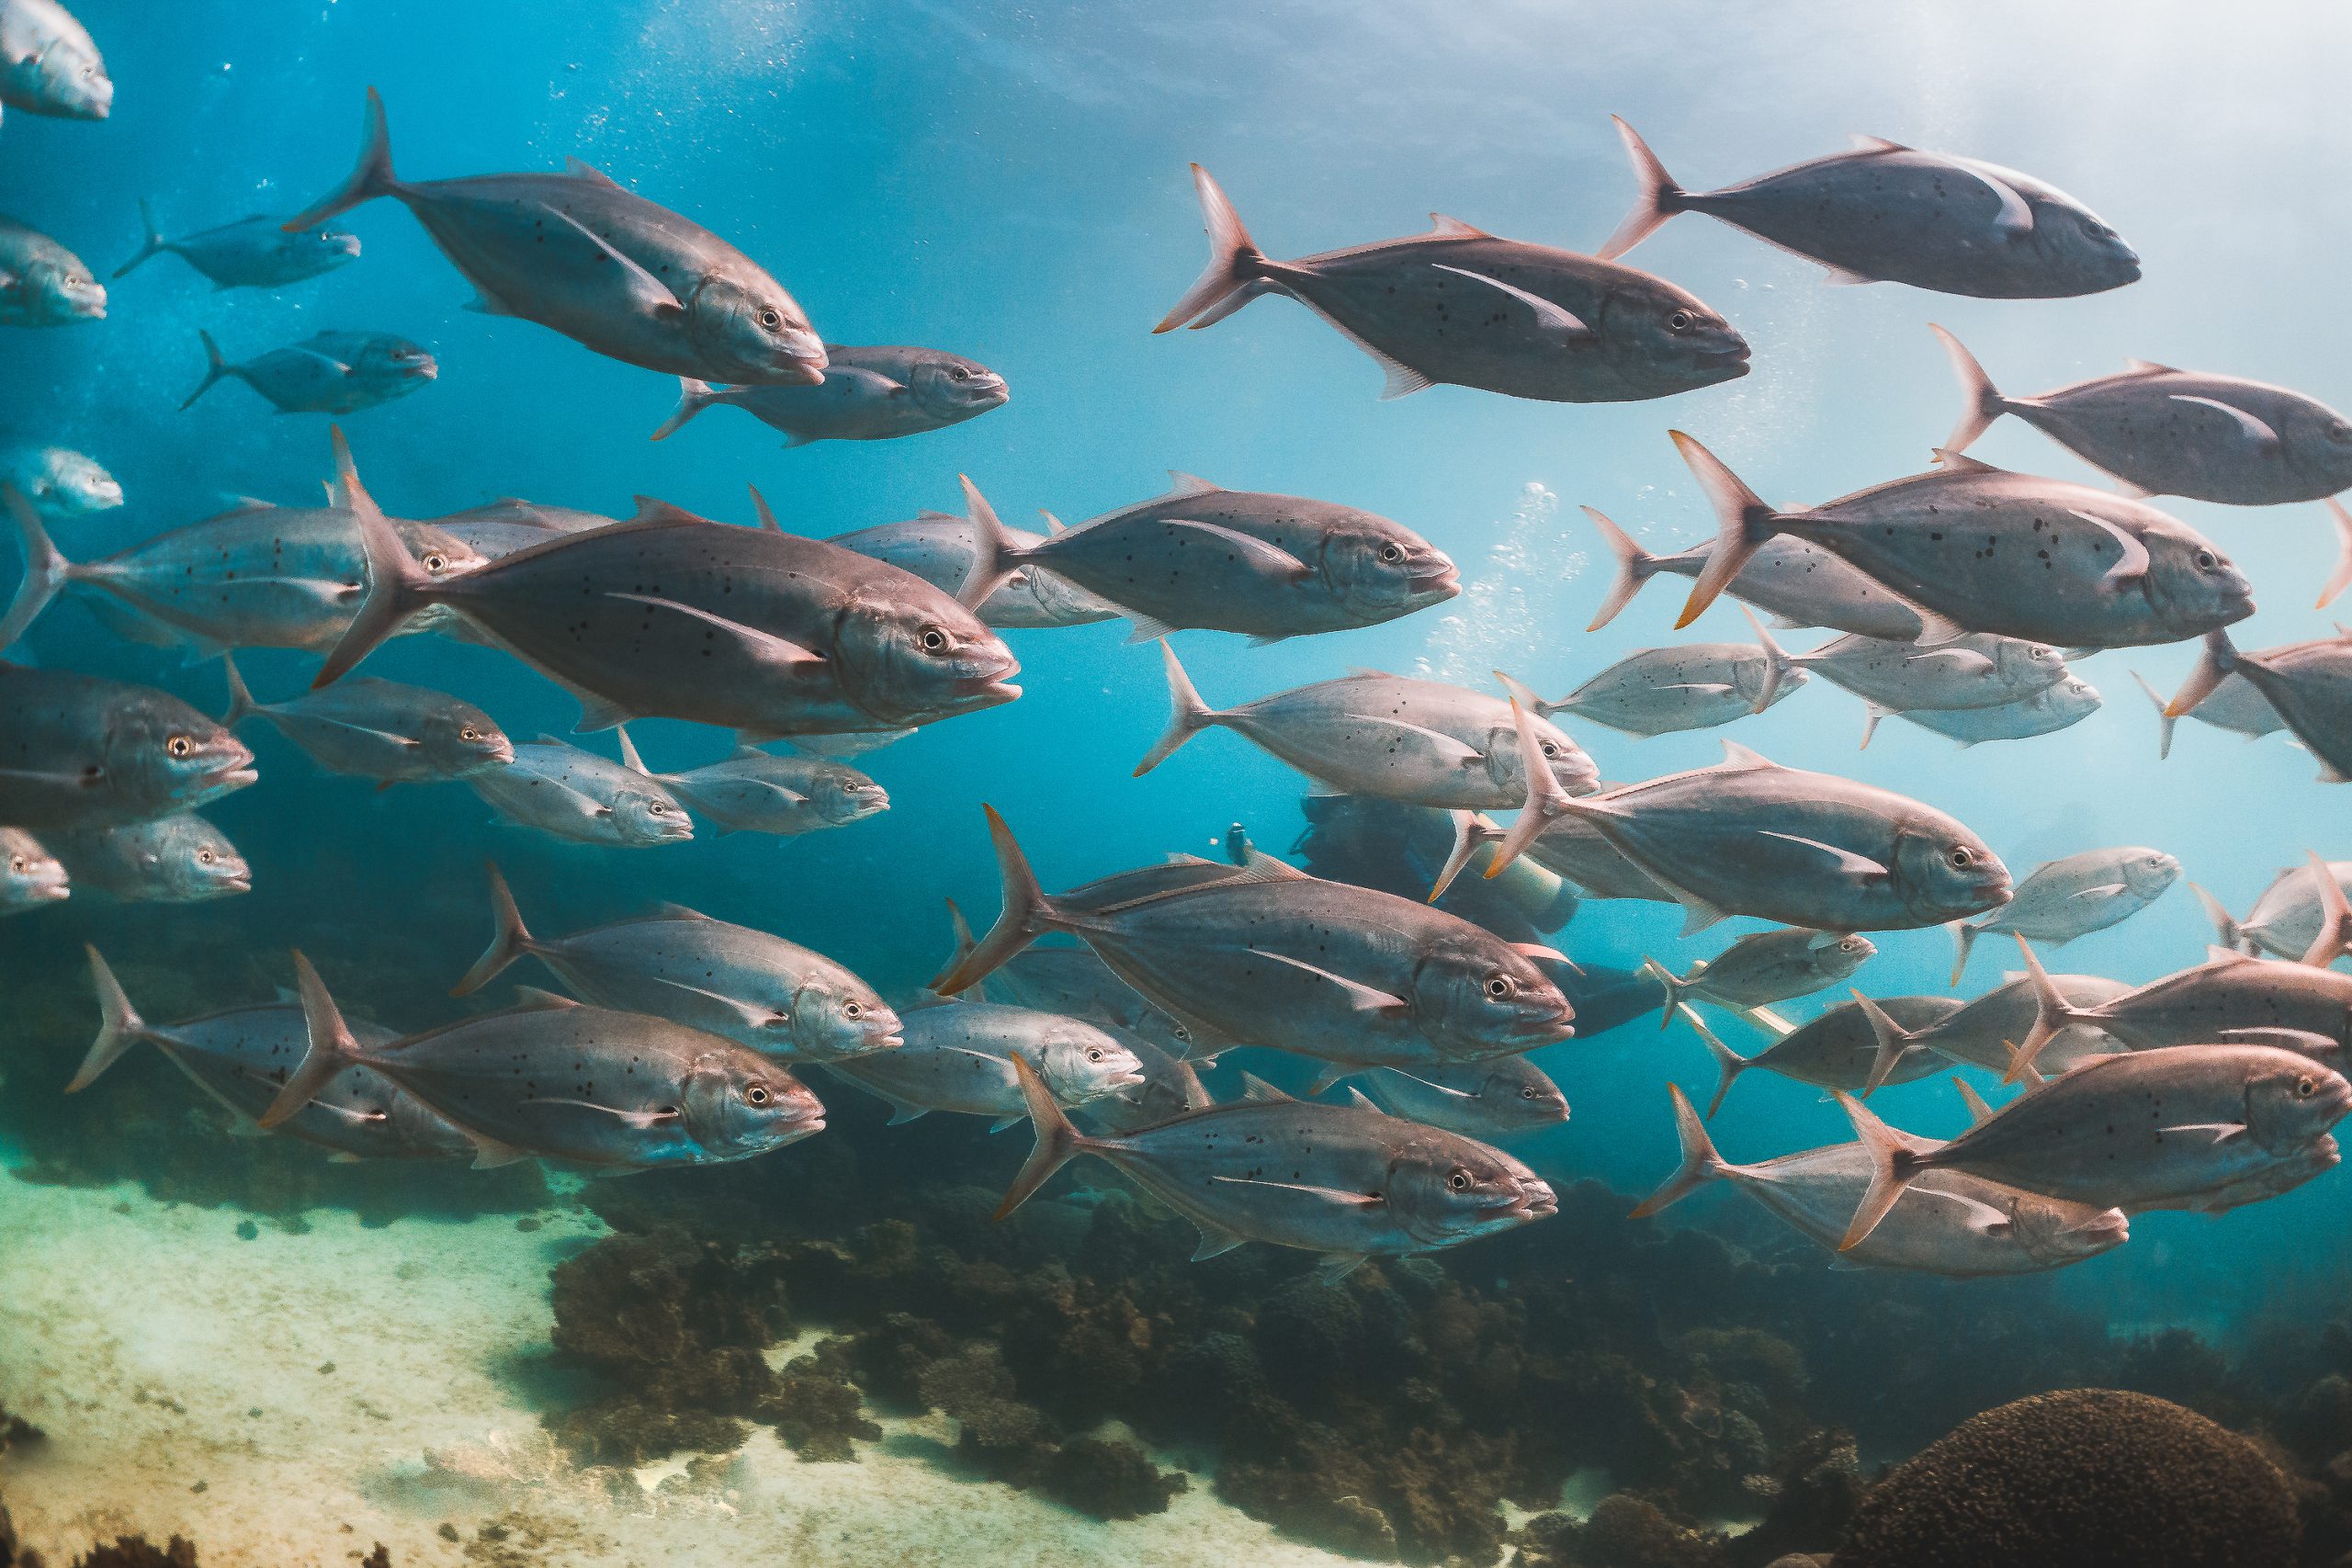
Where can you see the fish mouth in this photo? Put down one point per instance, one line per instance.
(1533, 1201)
(801, 356)
(1445, 580)
(242, 883)
(344, 244)
(1734, 359)
(221, 780)
(50, 892)
(426, 371)
(1559, 1025)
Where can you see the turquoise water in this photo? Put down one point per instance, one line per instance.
(1008, 182)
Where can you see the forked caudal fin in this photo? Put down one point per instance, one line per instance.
(1188, 716)
(331, 1047)
(2166, 721)
(1028, 914)
(1231, 279)
(1894, 1164)
(2227, 932)
(1636, 565)
(1656, 196)
(215, 369)
(692, 397)
(1057, 1139)
(510, 939)
(1964, 941)
(1652, 969)
(2053, 1013)
(120, 1025)
(1729, 1063)
(995, 558)
(1547, 799)
(2216, 664)
(1471, 831)
(2334, 938)
(1701, 1163)
(1893, 1043)
(1743, 524)
(397, 586)
(241, 705)
(155, 245)
(370, 177)
(46, 569)
(1983, 402)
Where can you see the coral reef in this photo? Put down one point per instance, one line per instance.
(133, 1552)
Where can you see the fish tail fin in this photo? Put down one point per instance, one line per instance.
(2334, 938)
(2341, 578)
(1547, 799)
(1028, 914)
(1983, 402)
(331, 1047)
(2227, 932)
(1057, 1139)
(1636, 565)
(1729, 1063)
(995, 558)
(1701, 1163)
(2213, 667)
(1893, 1040)
(1656, 197)
(1778, 665)
(1742, 520)
(962, 929)
(2051, 1013)
(2164, 736)
(215, 368)
(1233, 264)
(1893, 1166)
(1187, 715)
(370, 177)
(1654, 970)
(692, 397)
(1964, 943)
(46, 569)
(1979, 1112)
(153, 245)
(240, 698)
(1470, 831)
(509, 940)
(397, 586)
(120, 1025)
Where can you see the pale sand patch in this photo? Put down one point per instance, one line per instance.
(143, 1340)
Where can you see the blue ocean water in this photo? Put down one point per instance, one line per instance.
(1008, 182)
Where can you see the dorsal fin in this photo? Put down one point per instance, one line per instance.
(767, 516)
(1255, 1088)
(1053, 524)
(579, 169)
(651, 509)
(1738, 756)
(1953, 462)
(2149, 367)
(1361, 1101)
(1190, 484)
(677, 912)
(1861, 144)
(1454, 228)
(530, 999)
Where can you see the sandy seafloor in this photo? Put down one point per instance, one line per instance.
(294, 1399)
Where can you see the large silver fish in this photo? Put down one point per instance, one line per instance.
(1884, 212)
(958, 1056)
(1346, 1181)
(84, 752)
(49, 64)
(2308, 684)
(604, 267)
(242, 1057)
(31, 876)
(1369, 733)
(179, 859)
(2167, 432)
(1460, 305)
(943, 549)
(2235, 706)
(2053, 708)
(2139, 1130)
(2289, 917)
(327, 373)
(1764, 967)
(1977, 670)
(1499, 1098)
(616, 1090)
(777, 997)
(256, 252)
(62, 484)
(1072, 980)
(675, 616)
(1692, 685)
(1206, 557)
(755, 792)
(870, 393)
(556, 787)
(2231, 999)
(1800, 584)
(1947, 1222)
(42, 284)
(2061, 899)
(1839, 1049)
(379, 729)
(1749, 836)
(1984, 1032)
(1266, 954)
(1976, 548)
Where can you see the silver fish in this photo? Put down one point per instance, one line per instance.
(61, 484)
(1346, 1181)
(2135, 1131)
(1266, 954)
(49, 64)
(943, 549)
(1985, 1032)
(1459, 305)
(42, 284)
(326, 373)
(1694, 685)
(2061, 899)
(2053, 708)
(554, 786)
(617, 1090)
(256, 252)
(1977, 670)
(242, 1057)
(754, 792)
(30, 876)
(2231, 999)
(1976, 548)
(1765, 967)
(2289, 917)
(256, 576)
(776, 997)
(1749, 836)
(512, 512)
(2167, 432)
(1369, 733)
(2308, 684)
(752, 629)
(869, 393)
(2283, 1175)
(576, 253)
(1799, 584)
(179, 859)
(2235, 706)
(1838, 1050)
(83, 752)
(1170, 1089)
(1884, 212)
(1072, 980)
(379, 729)
(958, 1057)
(1206, 558)
(1946, 1222)
(1494, 1098)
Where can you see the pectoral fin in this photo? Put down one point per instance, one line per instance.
(2265, 438)
(1339, 1197)
(1451, 752)
(2015, 218)
(1849, 864)
(1271, 561)
(1360, 997)
(775, 649)
(2133, 565)
(646, 292)
(1553, 318)
(2104, 890)
(639, 1119)
(1215, 1240)
(2216, 1133)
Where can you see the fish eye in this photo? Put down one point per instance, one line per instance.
(204, 857)
(468, 733)
(852, 1009)
(1459, 1179)
(1679, 322)
(2305, 1087)
(657, 809)
(1499, 985)
(19, 865)
(960, 374)
(2206, 561)
(933, 640)
(1527, 1093)
(769, 319)
(179, 746)
(1094, 1053)
(435, 562)
(1551, 749)
(1181, 1033)
(1392, 553)
(757, 1094)
(1961, 856)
